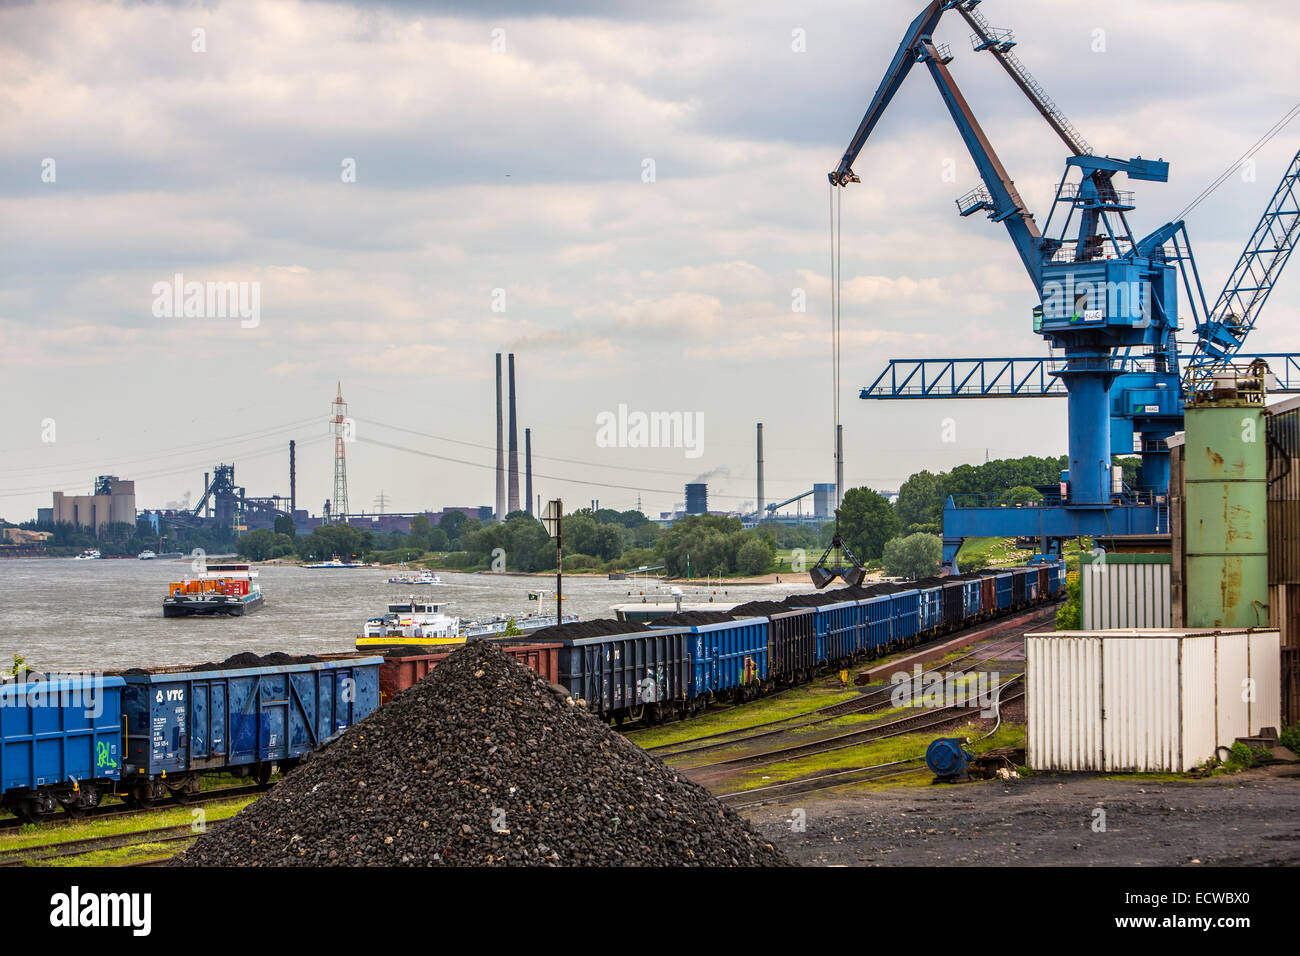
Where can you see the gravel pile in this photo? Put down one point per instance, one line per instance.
(483, 763)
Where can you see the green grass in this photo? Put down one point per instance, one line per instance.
(792, 703)
(877, 752)
(36, 835)
(118, 855)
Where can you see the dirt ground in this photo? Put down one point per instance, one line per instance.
(1246, 819)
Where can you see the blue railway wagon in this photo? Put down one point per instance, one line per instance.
(837, 631)
(970, 597)
(630, 675)
(728, 658)
(930, 608)
(1055, 578)
(1031, 585)
(181, 723)
(878, 621)
(904, 609)
(60, 743)
(1002, 587)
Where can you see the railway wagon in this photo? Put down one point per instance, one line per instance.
(1056, 578)
(398, 672)
(905, 607)
(1019, 595)
(637, 675)
(930, 609)
(952, 594)
(1003, 589)
(181, 722)
(1031, 585)
(1044, 582)
(835, 620)
(729, 659)
(879, 623)
(791, 639)
(60, 743)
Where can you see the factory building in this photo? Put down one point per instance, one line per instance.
(112, 502)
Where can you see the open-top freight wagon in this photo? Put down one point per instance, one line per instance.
(147, 734)
(680, 663)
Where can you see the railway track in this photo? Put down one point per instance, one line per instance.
(121, 809)
(69, 848)
(830, 779)
(922, 720)
(860, 704)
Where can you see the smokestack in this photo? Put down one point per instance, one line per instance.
(839, 466)
(514, 444)
(528, 468)
(501, 453)
(293, 480)
(760, 471)
(206, 507)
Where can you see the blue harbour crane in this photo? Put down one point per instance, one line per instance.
(1109, 307)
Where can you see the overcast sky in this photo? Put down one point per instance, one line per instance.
(504, 147)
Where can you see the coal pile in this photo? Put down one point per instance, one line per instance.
(760, 609)
(483, 763)
(695, 618)
(578, 629)
(249, 659)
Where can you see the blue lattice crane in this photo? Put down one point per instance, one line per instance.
(1109, 304)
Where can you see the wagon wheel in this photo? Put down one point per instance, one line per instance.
(263, 775)
(139, 800)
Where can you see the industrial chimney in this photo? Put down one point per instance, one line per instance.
(528, 468)
(501, 453)
(760, 471)
(513, 504)
(293, 480)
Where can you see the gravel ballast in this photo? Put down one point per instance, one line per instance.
(483, 763)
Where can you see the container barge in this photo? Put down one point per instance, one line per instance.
(221, 589)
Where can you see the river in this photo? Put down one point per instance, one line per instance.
(64, 614)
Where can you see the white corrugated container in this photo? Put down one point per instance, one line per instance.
(1124, 590)
(1146, 699)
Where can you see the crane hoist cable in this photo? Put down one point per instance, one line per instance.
(1223, 177)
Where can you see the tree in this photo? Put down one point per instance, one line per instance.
(866, 522)
(755, 556)
(263, 544)
(1020, 495)
(916, 556)
(920, 499)
(453, 524)
(284, 525)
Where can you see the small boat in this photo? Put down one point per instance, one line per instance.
(334, 562)
(220, 590)
(416, 622)
(147, 555)
(90, 554)
(424, 577)
(411, 622)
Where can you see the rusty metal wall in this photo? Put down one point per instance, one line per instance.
(1284, 498)
(1291, 685)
